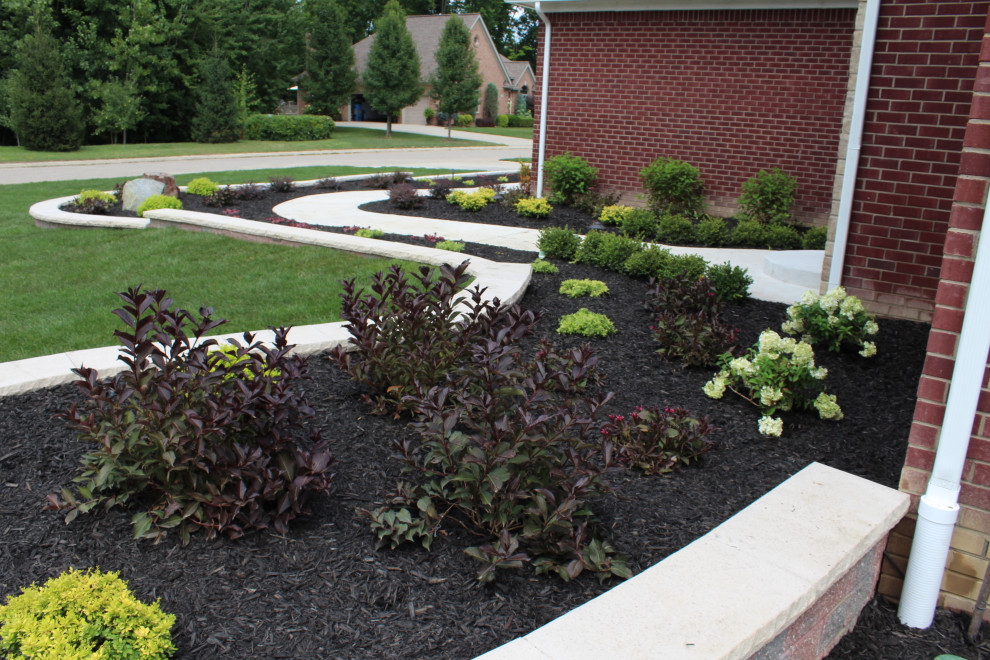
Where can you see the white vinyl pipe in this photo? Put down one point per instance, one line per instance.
(545, 86)
(939, 506)
(855, 143)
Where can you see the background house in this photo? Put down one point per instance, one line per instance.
(507, 76)
(735, 91)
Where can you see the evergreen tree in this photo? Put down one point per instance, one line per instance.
(391, 80)
(246, 93)
(490, 104)
(456, 80)
(216, 109)
(44, 111)
(330, 74)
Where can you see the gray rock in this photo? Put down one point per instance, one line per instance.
(171, 189)
(138, 190)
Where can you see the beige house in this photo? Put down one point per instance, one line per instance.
(511, 78)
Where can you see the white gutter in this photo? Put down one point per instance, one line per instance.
(855, 143)
(545, 85)
(939, 507)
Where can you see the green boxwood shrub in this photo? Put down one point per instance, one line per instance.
(202, 186)
(673, 186)
(463, 121)
(569, 177)
(768, 197)
(289, 128)
(689, 266)
(640, 224)
(559, 243)
(647, 263)
(731, 283)
(814, 238)
(675, 230)
(783, 237)
(586, 323)
(515, 121)
(158, 202)
(712, 232)
(749, 233)
(607, 250)
(502, 121)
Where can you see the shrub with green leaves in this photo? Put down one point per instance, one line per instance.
(186, 438)
(450, 246)
(201, 186)
(578, 288)
(659, 440)
(688, 323)
(463, 121)
(607, 250)
(473, 201)
(94, 202)
(155, 202)
(673, 186)
(675, 230)
(586, 323)
(814, 238)
(593, 201)
(569, 177)
(835, 320)
(533, 207)
(288, 128)
(768, 197)
(687, 266)
(782, 237)
(545, 267)
(712, 232)
(84, 615)
(367, 232)
(648, 262)
(776, 375)
(614, 214)
(749, 233)
(730, 283)
(640, 224)
(559, 243)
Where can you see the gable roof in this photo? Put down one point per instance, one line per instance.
(516, 70)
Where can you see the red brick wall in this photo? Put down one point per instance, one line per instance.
(731, 92)
(920, 93)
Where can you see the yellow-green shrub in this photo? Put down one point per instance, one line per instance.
(614, 214)
(586, 323)
(578, 288)
(158, 202)
(201, 186)
(474, 201)
(533, 207)
(83, 615)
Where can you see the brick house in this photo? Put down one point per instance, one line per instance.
(881, 110)
(508, 77)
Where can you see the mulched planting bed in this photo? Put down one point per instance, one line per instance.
(323, 590)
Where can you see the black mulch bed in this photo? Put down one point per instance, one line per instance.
(325, 591)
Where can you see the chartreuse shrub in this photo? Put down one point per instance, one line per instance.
(559, 243)
(367, 232)
(835, 320)
(473, 201)
(83, 616)
(673, 186)
(201, 186)
(450, 246)
(658, 440)
(158, 202)
(193, 437)
(94, 201)
(767, 198)
(545, 267)
(688, 322)
(586, 323)
(578, 288)
(776, 375)
(289, 128)
(569, 177)
(730, 283)
(614, 214)
(533, 207)
(814, 238)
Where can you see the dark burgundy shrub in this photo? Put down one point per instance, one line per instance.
(404, 196)
(657, 440)
(688, 324)
(281, 184)
(441, 188)
(221, 197)
(193, 437)
(250, 191)
(481, 122)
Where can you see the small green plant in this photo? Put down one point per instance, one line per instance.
(730, 283)
(503, 179)
(533, 207)
(712, 232)
(649, 262)
(545, 267)
(776, 375)
(578, 288)
(658, 440)
(155, 202)
(673, 186)
(201, 186)
(614, 214)
(84, 615)
(367, 232)
(463, 121)
(586, 323)
(569, 177)
(768, 197)
(749, 233)
(835, 320)
(607, 250)
(469, 183)
(502, 121)
(94, 202)
(559, 243)
(474, 201)
(429, 113)
(814, 238)
(640, 224)
(675, 230)
(782, 237)
(687, 266)
(450, 246)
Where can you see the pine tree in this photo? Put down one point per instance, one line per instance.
(391, 80)
(456, 80)
(330, 75)
(216, 109)
(44, 111)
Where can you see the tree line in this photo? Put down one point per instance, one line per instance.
(74, 71)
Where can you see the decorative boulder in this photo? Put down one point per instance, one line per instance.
(171, 189)
(137, 190)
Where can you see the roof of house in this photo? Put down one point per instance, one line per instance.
(516, 70)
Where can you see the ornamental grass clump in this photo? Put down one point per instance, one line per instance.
(578, 288)
(658, 440)
(82, 616)
(776, 375)
(835, 320)
(688, 323)
(193, 437)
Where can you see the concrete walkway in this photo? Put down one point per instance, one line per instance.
(458, 158)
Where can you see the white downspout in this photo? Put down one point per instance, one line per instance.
(545, 85)
(939, 507)
(855, 143)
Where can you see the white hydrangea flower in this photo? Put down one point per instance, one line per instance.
(715, 388)
(850, 307)
(804, 355)
(741, 366)
(771, 426)
(787, 345)
(871, 328)
(769, 342)
(831, 300)
(833, 320)
(793, 327)
(827, 407)
(819, 373)
(808, 298)
(869, 349)
(770, 395)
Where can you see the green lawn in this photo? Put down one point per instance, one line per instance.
(515, 131)
(343, 138)
(59, 284)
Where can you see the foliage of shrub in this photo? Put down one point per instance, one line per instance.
(404, 196)
(649, 262)
(543, 266)
(429, 113)
(586, 323)
(84, 615)
(94, 202)
(640, 224)
(614, 214)
(250, 191)
(483, 122)
(688, 266)
(367, 232)
(607, 250)
(533, 207)
(155, 202)
(559, 243)
(441, 188)
(675, 230)
(749, 233)
(814, 238)
(186, 437)
(473, 201)
(569, 176)
(768, 197)
(450, 246)
(658, 440)
(385, 180)
(201, 186)
(782, 237)
(512, 197)
(776, 375)
(221, 197)
(525, 175)
(289, 128)
(836, 320)
(578, 288)
(328, 183)
(712, 232)
(593, 201)
(514, 121)
(673, 186)
(731, 283)
(463, 121)
(281, 184)
(688, 323)
(502, 121)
